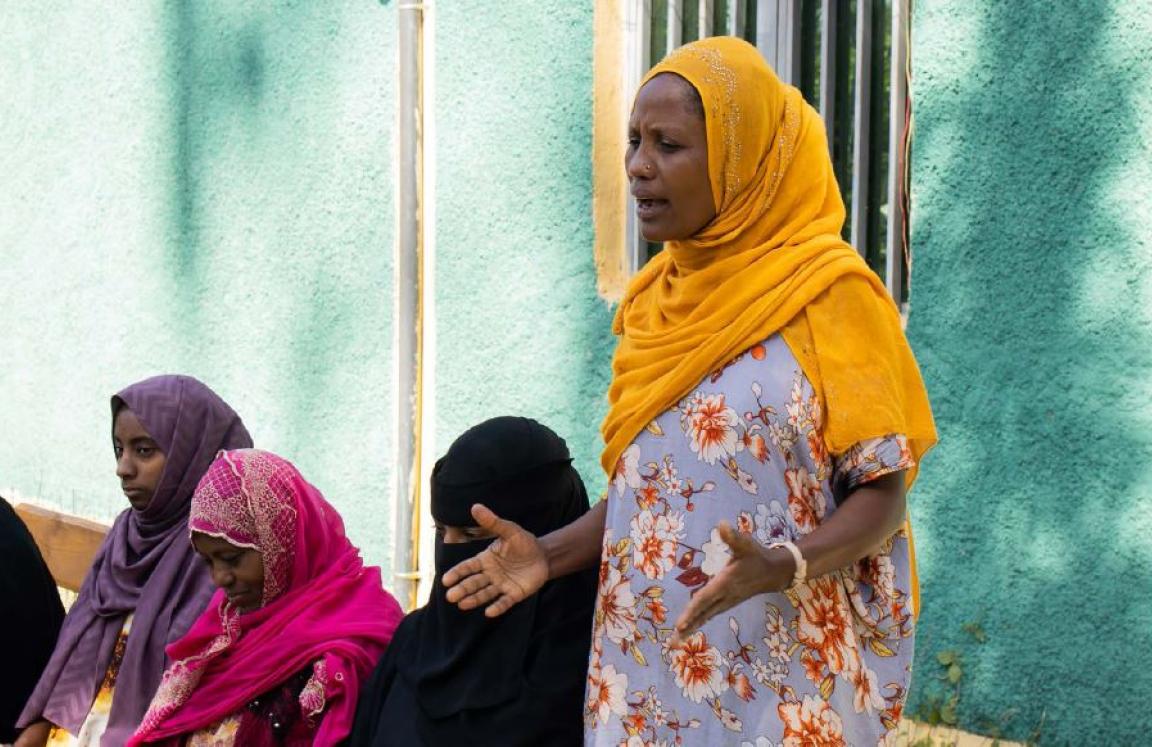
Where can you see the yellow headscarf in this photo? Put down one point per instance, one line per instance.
(771, 261)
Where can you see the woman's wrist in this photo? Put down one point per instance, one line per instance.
(780, 569)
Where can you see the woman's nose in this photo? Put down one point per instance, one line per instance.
(223, 577)
(124, 466)
(638, 165)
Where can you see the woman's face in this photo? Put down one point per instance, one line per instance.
(667, 160)
(139, 461)
(451, 535)
(239, 571)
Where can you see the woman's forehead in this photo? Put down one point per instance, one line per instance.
(207, 544)
(672, 92)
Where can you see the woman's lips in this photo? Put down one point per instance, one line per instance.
(240, 599)
(649, 208)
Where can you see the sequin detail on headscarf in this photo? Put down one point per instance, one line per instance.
(240, 505)
(182, 677)
(725, 109)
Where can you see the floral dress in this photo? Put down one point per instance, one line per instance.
(96, 722)
(827, 663)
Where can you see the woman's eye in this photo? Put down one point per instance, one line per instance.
(665, 145)
(633, 141)
(144, 451)
(118, 451)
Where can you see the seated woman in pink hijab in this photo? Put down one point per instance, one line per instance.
(297, 623)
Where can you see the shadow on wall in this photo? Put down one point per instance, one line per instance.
(201, 83)
(253, 231)
(1031, 318)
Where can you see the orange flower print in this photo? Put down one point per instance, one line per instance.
(654, 540)
(825, 624)
(638, 741)
(756, 446)
(606, 691)
(745, 481)
(658, 610)
(866, 691)
(880, 574)
(806, 499)
(817, 449)
(905, 452)
(617, 607)
(726, 717)
(811, 723)
(711, 427)
(627, 472)
(813, 666)
(745, 523)
(648, 496)
(741, 684)
(798, 416)
(716, 554)
(698, 668)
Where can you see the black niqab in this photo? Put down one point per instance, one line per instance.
(454, 677)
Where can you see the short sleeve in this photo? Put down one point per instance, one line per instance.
(870, 460)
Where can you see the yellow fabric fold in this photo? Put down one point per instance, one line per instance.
(771, 261)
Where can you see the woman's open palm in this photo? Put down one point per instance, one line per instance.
(508, 571)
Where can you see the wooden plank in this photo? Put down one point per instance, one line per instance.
(614, 248)
(68, 543)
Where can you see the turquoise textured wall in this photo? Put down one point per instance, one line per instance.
(199, 187)
(1031, 314)
(520, 329)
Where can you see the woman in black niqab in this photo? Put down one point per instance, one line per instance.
(453, 677)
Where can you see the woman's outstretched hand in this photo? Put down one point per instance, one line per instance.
(508, 571)
(751, 570)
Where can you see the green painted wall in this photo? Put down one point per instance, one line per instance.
(1031, 314)
(199, 187)
(519, 329)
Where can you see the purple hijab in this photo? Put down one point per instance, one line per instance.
(146, 565)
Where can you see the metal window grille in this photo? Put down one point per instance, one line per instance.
(850, 60)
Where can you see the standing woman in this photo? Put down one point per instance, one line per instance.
(766, 416)
(296, 626)
(146, 586)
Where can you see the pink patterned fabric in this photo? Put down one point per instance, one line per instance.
(322, 607)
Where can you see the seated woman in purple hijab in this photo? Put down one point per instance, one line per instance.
(146, 586)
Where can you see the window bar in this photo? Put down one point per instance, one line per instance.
(788, 41)
(705, 12)
(861, 138)
(736, 18)
(638, 33)
(894, 269)
(828, 65)
(675, 24)
(767, 19)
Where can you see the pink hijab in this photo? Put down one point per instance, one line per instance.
(322, 607)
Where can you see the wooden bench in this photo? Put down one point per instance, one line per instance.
(68, 543)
